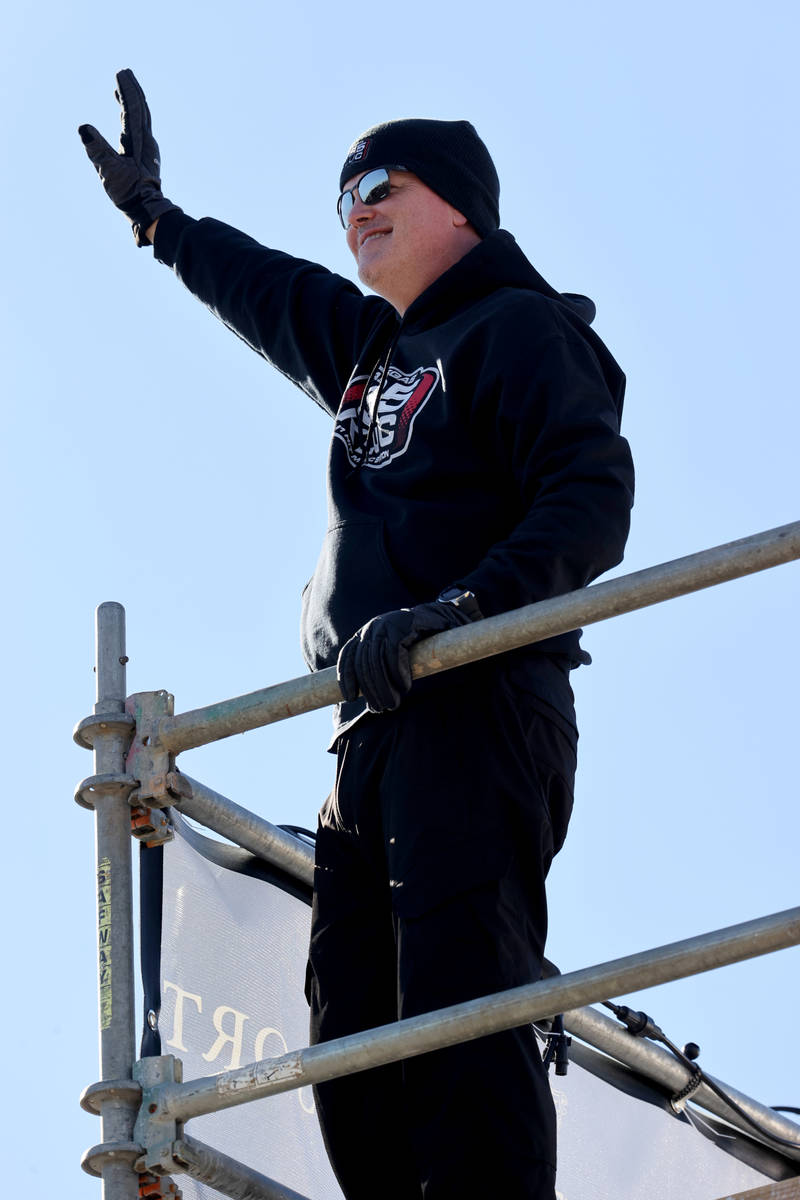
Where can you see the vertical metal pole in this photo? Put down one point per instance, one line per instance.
(114, 902)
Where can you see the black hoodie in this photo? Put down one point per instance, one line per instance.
(476, 441)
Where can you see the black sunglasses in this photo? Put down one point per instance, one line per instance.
(370, 189)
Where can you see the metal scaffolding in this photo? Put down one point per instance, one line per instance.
(143, 1105)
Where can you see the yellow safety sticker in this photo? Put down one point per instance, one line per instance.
(104, 939)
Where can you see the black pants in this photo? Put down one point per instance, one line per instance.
(431, 858)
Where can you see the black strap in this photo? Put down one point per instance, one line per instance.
(151, 878)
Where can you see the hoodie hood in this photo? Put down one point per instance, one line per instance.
(496, 262)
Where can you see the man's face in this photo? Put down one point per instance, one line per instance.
(405, 242)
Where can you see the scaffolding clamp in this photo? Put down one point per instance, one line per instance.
(155, 1130)
(149, 762)
(151, 825)
(158, 1187)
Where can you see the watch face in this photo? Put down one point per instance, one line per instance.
(465, 601)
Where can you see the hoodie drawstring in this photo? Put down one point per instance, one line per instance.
(362, 444)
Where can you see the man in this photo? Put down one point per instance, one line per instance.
(476, 466)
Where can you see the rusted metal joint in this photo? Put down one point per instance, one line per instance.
(152, 766)
(158, 1187)
(147, 759)
(151, 825)
(166, 788)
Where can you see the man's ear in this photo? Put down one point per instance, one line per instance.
(466, 228)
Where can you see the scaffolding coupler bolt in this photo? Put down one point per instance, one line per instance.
(158, 1187)
(150, 824)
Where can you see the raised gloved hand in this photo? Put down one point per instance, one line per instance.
(132, 177)
(375, 661)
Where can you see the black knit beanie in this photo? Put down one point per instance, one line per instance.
(446, 155)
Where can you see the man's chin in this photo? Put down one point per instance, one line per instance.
(370, 276)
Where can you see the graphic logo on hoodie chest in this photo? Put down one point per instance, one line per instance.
(374, 422)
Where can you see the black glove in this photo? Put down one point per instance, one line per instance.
(132, 178)
(375, 661)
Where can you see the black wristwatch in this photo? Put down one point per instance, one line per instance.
(467, 602)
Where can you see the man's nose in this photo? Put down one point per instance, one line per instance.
(360, 212)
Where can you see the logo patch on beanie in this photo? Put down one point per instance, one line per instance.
(358, 151)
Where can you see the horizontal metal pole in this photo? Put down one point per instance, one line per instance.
(226, 1175)
(496, 634)
(264, 707)
(247, 830)
(588, 1024)
(474, 1018)
(661, 1066)
(268, 842)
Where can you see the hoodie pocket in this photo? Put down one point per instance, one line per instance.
(353, 582)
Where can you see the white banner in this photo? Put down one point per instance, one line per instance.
(232, 974)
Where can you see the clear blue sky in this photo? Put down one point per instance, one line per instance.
(647, 157)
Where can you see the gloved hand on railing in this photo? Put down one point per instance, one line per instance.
(132, 177)
(375, 661)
